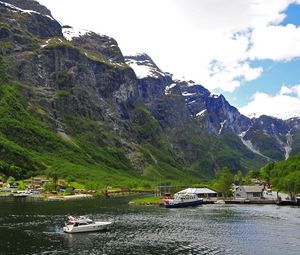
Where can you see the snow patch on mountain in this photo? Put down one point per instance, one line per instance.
(15, 8)
(143, 66)
(141, 71)
(214, 95)
(187, 94)
(201, 113)
(70, 32)
(169, 87)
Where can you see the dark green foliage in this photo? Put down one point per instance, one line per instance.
(49, 186)
(146, 126)
(238, 178)
(11, 170)
(224, 182)
(284, 175)
(21, 185)
(69, 191)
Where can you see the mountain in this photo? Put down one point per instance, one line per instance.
(72, 104)
(274, 138)
(268, 137)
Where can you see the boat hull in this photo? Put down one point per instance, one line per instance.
(98, 226)
(183, 204)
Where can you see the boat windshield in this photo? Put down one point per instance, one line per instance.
(79, 221)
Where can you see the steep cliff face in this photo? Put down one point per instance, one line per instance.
(26, 17)
(77, 96)
(81, 108)
(200, 127)
(28, 6)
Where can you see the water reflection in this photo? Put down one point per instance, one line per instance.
(207, 229)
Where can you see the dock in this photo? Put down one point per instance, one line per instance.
(262, 202)
(247, 201)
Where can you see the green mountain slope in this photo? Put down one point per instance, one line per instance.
(30, 147)
(284, 175)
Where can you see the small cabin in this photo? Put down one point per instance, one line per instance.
(249, 192)
(205, 193)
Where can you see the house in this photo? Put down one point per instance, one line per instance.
(12, 185)
(248, 192)
(204, 193)
(37, 185)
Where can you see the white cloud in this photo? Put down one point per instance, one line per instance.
(278, 43)
(192, 38)
(295, 90)
(228, 77)
(284, 105)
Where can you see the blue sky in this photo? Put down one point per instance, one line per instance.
(247, 50)
(293, 15)
(276, 73)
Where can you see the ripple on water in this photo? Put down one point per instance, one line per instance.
(208, 229)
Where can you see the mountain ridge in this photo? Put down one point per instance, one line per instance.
(225, 116)
(111, 124)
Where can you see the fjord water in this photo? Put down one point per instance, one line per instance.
(35, 227)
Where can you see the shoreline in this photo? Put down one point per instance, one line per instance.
(67, 198)
(50, 197)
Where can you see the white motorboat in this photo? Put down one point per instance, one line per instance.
(83, 224)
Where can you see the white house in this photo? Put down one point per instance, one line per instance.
(204, 193)
(248, 192)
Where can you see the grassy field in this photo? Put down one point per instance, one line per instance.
(145, 200)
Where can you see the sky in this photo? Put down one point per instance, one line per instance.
(247, 50)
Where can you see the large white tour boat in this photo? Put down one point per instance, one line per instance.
(183, 200)
(84, 224)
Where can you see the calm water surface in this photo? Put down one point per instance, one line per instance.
(33, 227)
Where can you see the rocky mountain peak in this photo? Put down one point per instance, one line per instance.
(27, 6)
(101, 46)
(26, 18)
(144, 66)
